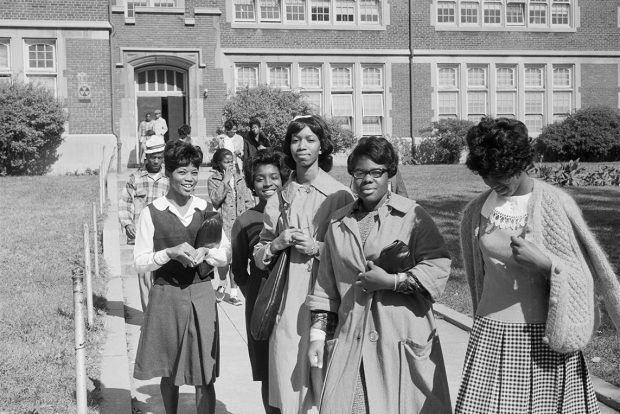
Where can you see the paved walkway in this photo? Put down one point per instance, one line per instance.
(235, 390)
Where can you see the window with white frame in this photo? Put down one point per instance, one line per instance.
(477, 92)
(342, 109)
(562, 91)
(246, 75)
(160, 80)
(506, 90)
(448, 92)
(311, 85)
(342, 77)
(499, 14)
(5, 62)
(372, 100)
(41, 63)
(131, 5)
(323, 12)
(280, 75)
(372, 77)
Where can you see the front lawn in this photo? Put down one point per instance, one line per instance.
(41, 242)
(444, 190)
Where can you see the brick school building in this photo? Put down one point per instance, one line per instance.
(386, 67)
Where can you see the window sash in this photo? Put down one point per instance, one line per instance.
(310, 76)
(372, 77)
(447, 104)
(562, 103)
(270, 10)
(492, 13)
(280, 76)
(534, 77)
(369, 11)
(560, 14)
(244, 10)
(45, 81)
(470, 12)
(506, 103)
(538, 13)
(315, 101)
(345, 11)
(372, 104)
(477, 103)
(505, 77)
(320, 11)
(447, 78)
(247, 75)
(562, 77)
(4, 55)
(342, 105)
(446, 12)
(534, 102)
(295, 10)
(515, 14)
(42, 55)
(371, 125)
(477, 77)
(341, 77)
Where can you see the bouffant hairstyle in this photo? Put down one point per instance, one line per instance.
(254, 121)
(184, 130)
(264, 157)
(376, 148)
(218, 158)
(499, 147)
(318, 126)
(179, 153)
(230, 124)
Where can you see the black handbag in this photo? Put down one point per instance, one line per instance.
(272, 289)
(209, 234)
(395, 258)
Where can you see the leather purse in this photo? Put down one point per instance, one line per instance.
(209, 235)
(395, 258)
(271, 290)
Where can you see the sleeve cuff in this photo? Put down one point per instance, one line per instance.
(317, 335)
(160, 258)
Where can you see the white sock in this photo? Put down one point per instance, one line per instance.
(233, 292)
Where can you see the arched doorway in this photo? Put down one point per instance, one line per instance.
(164, 88)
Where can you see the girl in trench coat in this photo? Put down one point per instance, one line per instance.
(310, 196)
(385, 356)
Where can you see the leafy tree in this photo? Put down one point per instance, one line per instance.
(445, 143)
(589, 134)
(275, 108)
(31, 127)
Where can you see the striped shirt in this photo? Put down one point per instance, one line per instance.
(141, 189)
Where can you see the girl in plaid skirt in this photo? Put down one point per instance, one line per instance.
(531, 263)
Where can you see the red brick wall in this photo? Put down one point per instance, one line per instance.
(422, 114)
(92, 59)
(599, 85)
(54, 9)
(401, 107)
(598, 31)
(396, 36)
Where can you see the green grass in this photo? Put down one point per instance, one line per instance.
(444, 190)
(41, 242)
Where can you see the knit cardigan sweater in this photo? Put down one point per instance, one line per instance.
(555, 224)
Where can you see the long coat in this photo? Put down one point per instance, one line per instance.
(309, 208)
(392, 333)
(228, 204)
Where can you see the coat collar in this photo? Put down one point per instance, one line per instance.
(142, 172)
(394, 202)
(323, 183)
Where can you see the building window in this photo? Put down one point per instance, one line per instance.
(372, 77)
(295, 10)
(4, 54)
(333, 12)
(342, 109)
(310, 76)
(280, 76)
(372, 114)
(505, 13)
(270, 10)
(244, 10)
(41, 63)
(446, 10)
(160, 80)
(496, 90)
(315, 101)
(246, 75)
(341, 77)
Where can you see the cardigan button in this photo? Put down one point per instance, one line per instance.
(553, 300)
(373, 336)
(545, 340)
(557, 270)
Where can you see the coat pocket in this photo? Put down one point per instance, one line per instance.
(423, 385)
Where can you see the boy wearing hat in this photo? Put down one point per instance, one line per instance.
(143, 186)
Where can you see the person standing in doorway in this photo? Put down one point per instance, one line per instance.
(143, 186)
(159, 124)
(143, 128)
(233, 142)
(255, 139)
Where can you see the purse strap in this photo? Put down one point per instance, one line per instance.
(283, 209)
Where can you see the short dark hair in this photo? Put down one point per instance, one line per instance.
(318, 126)
(499, 147)
(229, 124)
(379, 150)
(218, 157)
(184, 130)
(179, 153)
(264, 157)
(149, 133)
(254, 121)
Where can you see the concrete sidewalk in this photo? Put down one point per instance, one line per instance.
(235, 390)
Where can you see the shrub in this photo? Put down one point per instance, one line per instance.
(590, 134)
(343, 139)
(31, 127)
(572, 174)
(403, 147)
(274, 107)
(445, 143)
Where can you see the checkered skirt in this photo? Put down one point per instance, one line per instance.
(509, 369)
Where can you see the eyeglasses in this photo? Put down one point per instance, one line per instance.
(374, 173)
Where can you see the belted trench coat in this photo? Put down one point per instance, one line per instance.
(393, 333)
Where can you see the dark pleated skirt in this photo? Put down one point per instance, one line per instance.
(180, 335)
(509, 369)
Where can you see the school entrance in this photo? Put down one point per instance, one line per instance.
(162, 87)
